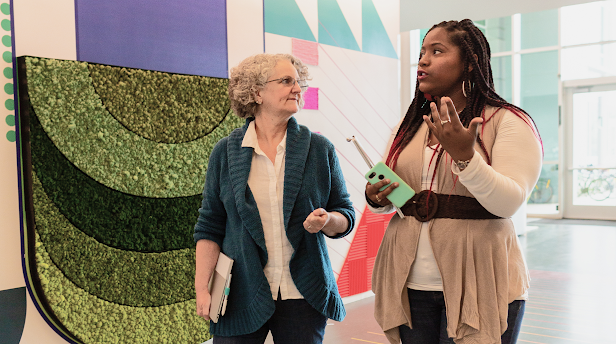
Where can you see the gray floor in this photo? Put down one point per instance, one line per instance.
(573, 289)
(573, 269)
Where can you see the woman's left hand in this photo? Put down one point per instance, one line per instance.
(316, 220)
(458, 141)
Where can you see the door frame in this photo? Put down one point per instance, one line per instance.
(569, 88)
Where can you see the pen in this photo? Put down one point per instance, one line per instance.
(226, 295)
(369, 163)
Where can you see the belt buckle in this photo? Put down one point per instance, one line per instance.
(419, 202)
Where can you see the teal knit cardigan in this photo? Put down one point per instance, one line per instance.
(229, 217)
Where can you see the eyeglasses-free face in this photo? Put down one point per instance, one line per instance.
(441, 68)
(290, 82)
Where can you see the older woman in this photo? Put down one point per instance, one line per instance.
(273, 191)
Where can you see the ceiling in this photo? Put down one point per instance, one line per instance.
(416, 14)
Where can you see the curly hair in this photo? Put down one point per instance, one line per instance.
(251, 75)
(478, 86)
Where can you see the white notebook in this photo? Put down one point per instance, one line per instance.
(219, 286)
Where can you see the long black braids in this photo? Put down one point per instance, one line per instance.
(478, 87)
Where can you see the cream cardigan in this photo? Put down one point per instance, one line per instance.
(480, 261)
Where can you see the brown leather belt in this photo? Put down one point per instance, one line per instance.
(428, 205)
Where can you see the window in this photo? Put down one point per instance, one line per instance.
(539, 29)
(596, 19)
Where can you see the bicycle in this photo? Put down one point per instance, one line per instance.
(598, 184)
(542, 192)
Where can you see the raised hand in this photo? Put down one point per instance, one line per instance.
(458, 141)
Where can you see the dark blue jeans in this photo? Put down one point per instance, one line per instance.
(294, 321)
(430, 322)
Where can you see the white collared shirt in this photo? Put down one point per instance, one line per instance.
(266, 181)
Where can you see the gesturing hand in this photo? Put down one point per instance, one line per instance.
(316, 220)
(458, 141)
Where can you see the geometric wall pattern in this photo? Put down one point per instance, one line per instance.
(351, 89)
(355, 87)
(374, 33)
(311, 98)
(6, 98)
(306, 51)
(286, 18)
(13, 296)
(356, 273)
(187, 37)
(335, 30)
(333, 27)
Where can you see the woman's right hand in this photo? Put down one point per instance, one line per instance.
(203, 304)
(380, 197)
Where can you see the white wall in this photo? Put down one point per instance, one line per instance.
(358, 96)
(244, 30)
(416, 14)
(45, 28)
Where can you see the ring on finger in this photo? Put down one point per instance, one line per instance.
(447, 121)
(378, 199)
(309, 226)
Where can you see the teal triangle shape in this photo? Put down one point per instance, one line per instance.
(333, 27)
(283, 17)
(374, 36)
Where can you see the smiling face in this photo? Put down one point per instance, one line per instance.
(440, 70)
(278, 97)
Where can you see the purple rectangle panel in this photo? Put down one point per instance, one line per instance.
(311, 98)
(187, 36)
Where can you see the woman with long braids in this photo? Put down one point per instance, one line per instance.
(451, 270)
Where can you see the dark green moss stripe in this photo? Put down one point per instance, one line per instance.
(111, 217)
(94, 320)
(122, 277)
(162, 107)
(72, 114)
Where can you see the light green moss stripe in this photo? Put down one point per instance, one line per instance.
(122, 277)
(72, 114)
(162, 107)
(97, 321)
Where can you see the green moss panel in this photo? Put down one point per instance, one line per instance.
(122, 277)
(94, 320)
(72, 114)
(113, 218)
(162, 107)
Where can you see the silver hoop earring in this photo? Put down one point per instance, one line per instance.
(464, 89)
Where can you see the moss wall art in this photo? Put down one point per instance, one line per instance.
(113, 165)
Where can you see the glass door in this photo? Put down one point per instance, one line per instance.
(590, 149)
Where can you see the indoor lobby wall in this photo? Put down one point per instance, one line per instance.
(350, 47)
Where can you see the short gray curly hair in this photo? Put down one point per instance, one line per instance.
(251, 75)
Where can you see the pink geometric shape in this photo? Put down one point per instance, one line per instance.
(306, 51)
(311, 98)
(355, 276)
